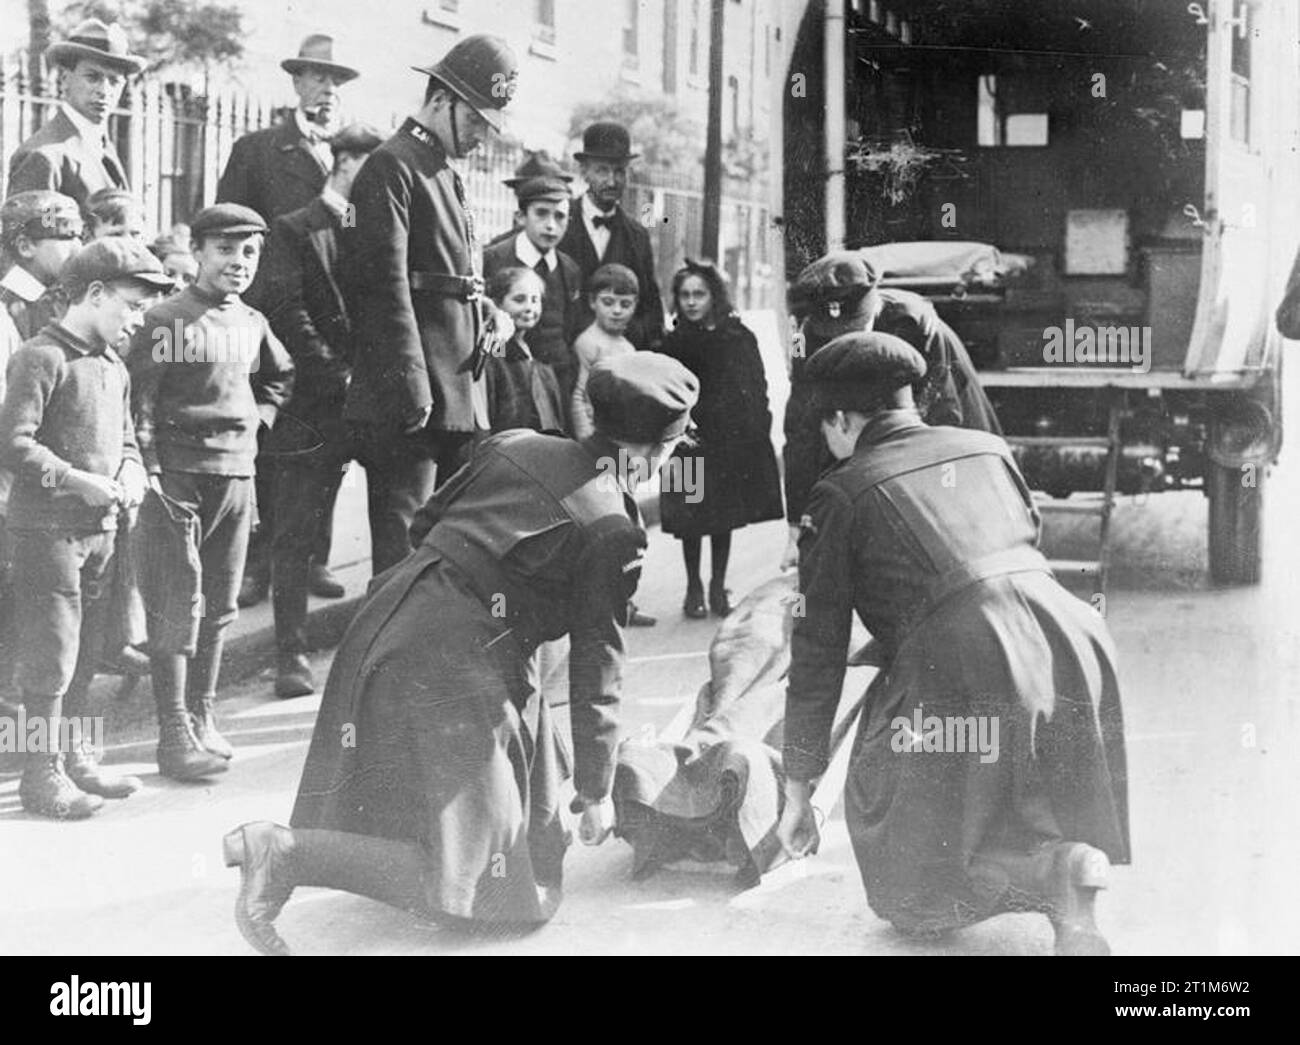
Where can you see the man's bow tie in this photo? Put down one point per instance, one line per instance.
(602, 220)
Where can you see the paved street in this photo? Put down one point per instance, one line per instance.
(1210, 681)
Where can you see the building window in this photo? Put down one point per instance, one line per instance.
(445, 13)
(693, 52)
(544, 21)
(631, 32)
(670, 47)
(733, 92)
(1239, 117)
(997, 127)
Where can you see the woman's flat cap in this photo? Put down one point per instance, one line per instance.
(645, 397)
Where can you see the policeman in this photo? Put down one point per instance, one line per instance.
(840, 293)
(447, 802)
(988, 771)
(412, 287)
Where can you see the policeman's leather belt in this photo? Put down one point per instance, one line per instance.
(466, 288)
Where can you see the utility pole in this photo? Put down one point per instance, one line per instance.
(835, 81)
(711, 241)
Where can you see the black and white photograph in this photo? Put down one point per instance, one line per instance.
(650, 477)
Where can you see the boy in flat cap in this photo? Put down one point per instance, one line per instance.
(544, 216)
(39, 231)
(297, 287)
(414, 292)
(207, 374)
(72, 154)
(66, 431)
(470, 829)
(602, 233)
(929, 535)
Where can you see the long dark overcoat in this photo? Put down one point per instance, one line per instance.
(733, 469)
(430, 729)
(273, 170)
(929, 535)
(410, 245)
(57, 158)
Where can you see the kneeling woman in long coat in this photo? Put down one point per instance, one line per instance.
(432, 781)
(988, 773)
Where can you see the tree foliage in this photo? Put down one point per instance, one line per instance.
(169, 33)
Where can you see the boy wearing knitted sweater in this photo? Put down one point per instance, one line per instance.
(207, 374)
(66, 432)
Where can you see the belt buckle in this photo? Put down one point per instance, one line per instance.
(475, 287)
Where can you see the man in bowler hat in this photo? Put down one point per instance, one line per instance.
(274, 171)
(413, 289)
(601, 232)
(72, 153)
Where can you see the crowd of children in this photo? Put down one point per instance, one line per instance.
(135, 381)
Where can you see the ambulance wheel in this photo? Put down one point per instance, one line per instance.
(1236, 498)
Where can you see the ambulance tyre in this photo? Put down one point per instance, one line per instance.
(1236, 518)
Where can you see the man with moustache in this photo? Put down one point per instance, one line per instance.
(411, 283)
(72, 154)
(601, 233)
(274, 171)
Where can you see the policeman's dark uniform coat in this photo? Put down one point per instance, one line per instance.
(454, 748)
(629, 244)
(408, 263)
(734, 464)
(57, 158)
(928, 535)
(274, 171)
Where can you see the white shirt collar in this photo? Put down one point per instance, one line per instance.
(21, 282)
(308, 129)
(94, 133)
(528, 253)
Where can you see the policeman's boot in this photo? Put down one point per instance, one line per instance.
(83, 769)
(293, 676)
(180, 755)
(201, 695)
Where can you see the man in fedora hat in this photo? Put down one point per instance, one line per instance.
(72, 153)
(274, 171)
(601, 233)
(544, 201)
(411, 282)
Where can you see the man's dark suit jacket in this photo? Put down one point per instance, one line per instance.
(273, 170)
(56, 158)
(629, 244)
(561, 322)
(411, 342)
(297, 290)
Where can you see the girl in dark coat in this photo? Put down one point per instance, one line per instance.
(433, 778)
(729, 477)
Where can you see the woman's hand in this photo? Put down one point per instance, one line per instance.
(790, 560)
(797, 831)
(596, 822)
